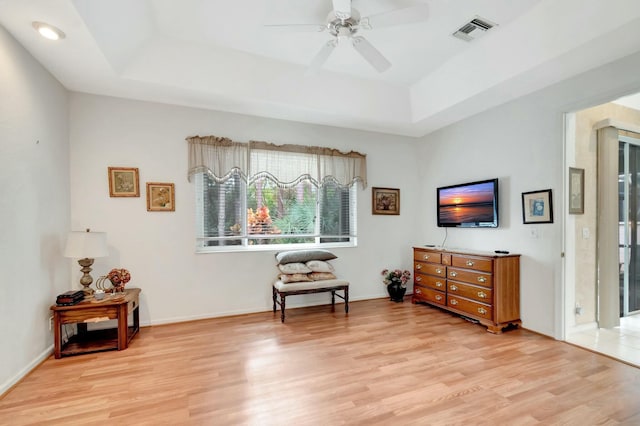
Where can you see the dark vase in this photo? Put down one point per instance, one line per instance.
(396, 292)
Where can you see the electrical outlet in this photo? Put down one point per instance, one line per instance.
(578, 309)
(50, 323)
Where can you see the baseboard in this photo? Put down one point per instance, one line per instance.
(6, 386)
(256, 310)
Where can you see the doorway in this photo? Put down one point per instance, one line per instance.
(584, 301)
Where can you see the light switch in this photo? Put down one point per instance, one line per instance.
(533, 233)
(586, 233)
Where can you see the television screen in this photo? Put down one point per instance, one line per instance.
(469, 205)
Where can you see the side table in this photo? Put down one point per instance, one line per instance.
(116, 306)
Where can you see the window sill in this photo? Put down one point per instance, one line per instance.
(271, 247)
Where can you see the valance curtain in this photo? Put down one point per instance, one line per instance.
(286, 165)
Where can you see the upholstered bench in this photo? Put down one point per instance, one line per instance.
(283, 290)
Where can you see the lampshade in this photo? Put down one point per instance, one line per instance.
(81, 244)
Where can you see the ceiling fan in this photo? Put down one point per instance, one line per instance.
(344, 23)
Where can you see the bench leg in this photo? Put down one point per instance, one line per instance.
(346, 300)
(275, 296)
(333, 300)
(282, 297)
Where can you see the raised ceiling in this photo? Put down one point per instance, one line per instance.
(223, 55)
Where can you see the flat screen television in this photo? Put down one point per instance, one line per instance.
(469, 205)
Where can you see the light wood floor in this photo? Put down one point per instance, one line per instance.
(386, 363)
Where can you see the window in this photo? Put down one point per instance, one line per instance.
(283, 200)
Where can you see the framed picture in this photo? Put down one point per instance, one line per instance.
(161, 197)
(385, 201)
(537, 207)
(576, 191)
(123, 182)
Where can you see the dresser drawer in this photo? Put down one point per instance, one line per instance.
(435, 283)
(471, 262)
(430, 268)
(426, 256)
(469, 306)
(469, 276)
(429, 295)
(481, 294)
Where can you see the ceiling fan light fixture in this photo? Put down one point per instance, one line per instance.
(48, 31)
(344, 23)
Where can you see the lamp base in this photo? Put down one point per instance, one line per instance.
(86, 279)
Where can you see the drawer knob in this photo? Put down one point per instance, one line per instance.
(418, 279)
(438, 271)
(453, 287)
(469, 262)
(482, 311)
(453, 302)
(482, 295)
(418, 267)
(482, 279)
(453, 274)
(426, 257)
(438, 297)
(438, 284)
(418, 291)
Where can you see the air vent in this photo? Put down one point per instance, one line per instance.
(474, 29)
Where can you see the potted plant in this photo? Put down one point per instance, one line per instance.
(396, 282)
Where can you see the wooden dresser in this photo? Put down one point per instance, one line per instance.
(481, 286)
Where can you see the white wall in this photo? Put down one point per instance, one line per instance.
(34, 207)
(159, 247)
(521, 143)
(488, 146)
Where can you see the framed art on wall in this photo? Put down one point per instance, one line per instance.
(385, 201)
(161, 197)
(537, 207)
(124, 182)
(576, 191)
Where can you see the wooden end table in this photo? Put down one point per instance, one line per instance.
(116, 306)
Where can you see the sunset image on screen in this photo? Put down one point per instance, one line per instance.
(467, 204)
(466, 195)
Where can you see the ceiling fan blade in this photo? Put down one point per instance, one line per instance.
(300, 28)
(342, 9)
(407, 15)
(322, 56)
(371, 54)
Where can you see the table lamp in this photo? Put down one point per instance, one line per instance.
(85, 246)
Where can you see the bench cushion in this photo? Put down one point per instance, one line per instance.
(295, 268)
(319, 266)
(314, 285)
(296, 256)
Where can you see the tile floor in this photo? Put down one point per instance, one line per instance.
(621, 342)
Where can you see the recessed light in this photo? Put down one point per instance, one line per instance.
(48, 31)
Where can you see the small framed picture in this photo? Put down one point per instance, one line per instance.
(161, 197)
(537, 207)
(124, 182)
(576, 191)
(385, 201)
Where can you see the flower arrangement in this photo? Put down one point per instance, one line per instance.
(119, 277)
(395, 276)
